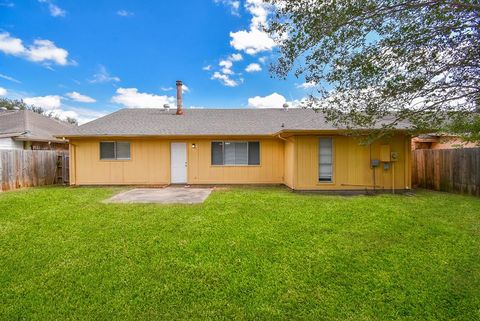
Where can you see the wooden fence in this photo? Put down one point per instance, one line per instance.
(449, 170)
(24, 168)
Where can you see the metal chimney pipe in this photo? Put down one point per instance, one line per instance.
(179, 97)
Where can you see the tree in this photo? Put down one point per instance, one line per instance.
(12, 104)
(400, 60)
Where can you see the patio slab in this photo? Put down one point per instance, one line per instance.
(168, 195)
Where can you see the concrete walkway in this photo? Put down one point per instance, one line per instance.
(168, 195)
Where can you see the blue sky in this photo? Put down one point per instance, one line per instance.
(88, 58)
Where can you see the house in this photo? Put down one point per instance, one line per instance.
(25, 129)
(294, 147)
(440, 141)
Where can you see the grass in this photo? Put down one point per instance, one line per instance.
(263, 254)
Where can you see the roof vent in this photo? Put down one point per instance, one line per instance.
(285, 106)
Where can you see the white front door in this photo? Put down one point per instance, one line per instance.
(178, 163)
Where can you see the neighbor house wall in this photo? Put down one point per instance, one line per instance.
(351, 164)
(9, 143)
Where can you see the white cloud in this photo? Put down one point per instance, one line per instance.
(233, 4)
(272, 101)
(10, 45)
(225, 79)
(49, 102)
(40, 51)
(3, 91)
(84, 115)
(226, 64)
(263, 59)
(254, 40)
(45, 50)
(102, 76)
(184, 88)
(307, 85)
(253, 68)
(79, 97)
(131, 98)
(235, 57)
(55, 11)
(124, 13)
(6, 77)
(207, 68)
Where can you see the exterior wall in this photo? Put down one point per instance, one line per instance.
(150, 164)
(45, 146)
(289, 155)
(270, 170)
(351, 164)
(293, 162)
(9, 143)
(441, 142)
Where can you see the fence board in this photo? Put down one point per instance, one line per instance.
(449, 170)
(25, 168)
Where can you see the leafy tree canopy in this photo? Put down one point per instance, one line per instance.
(12, 104)
(408, 60)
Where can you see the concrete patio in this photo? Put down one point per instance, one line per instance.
(168, 195)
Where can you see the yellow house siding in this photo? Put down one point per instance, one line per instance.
(270, 170)
(149, 163)
(351, 164)
(289, 170)
(293, 162)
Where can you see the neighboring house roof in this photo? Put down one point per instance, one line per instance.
(26, 125)
(204, 122)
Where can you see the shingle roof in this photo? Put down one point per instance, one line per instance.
(27, 125)
(158, 122)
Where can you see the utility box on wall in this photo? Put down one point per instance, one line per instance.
(385, 153)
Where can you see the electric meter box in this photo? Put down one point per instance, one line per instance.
(394, 156)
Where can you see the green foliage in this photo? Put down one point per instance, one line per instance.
(383, 61)
(12, 104)
(245, 254)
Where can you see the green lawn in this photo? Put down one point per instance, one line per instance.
(260, 254)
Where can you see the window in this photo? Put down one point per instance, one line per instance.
(114, 150)
(325, 160)
(235, 153)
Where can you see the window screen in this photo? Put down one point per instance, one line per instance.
(123, 150)
(114, 150)
(325, 160)
(235, 153)
(107, 150)
(217, 153)
(254, 153)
